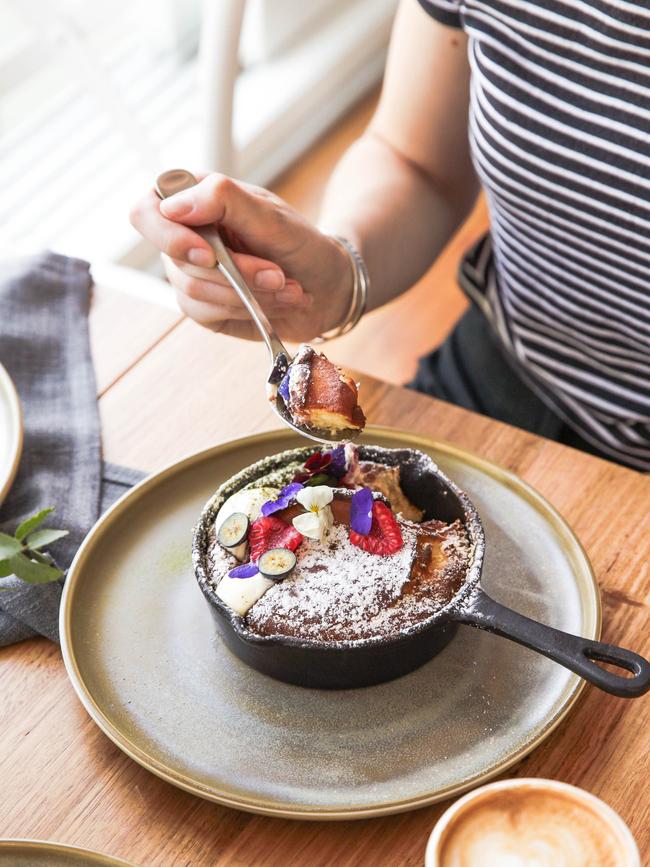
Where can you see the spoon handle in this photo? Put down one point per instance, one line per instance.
(234, 276)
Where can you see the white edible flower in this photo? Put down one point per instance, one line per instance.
(317, 521)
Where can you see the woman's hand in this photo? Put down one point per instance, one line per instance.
(301, 277)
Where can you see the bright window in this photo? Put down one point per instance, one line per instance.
(98, 97)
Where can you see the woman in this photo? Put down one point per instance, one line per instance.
(556, 96)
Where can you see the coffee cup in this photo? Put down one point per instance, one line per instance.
(531, 823)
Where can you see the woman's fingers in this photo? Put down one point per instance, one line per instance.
(250, 213)
(210, 314)
(213, 300)
(206, 312)
(211, 286)
(174, 239)
(219, 199)
(283, 255)
(259, 273)
(258, 218)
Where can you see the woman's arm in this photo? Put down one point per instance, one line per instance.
(398, 194)
(403, 188)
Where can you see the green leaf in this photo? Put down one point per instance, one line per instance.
(5, 568)
(41, 538)
(32, 523)
(8, 546)
(33, 573)
(41, 558)
(320, 479)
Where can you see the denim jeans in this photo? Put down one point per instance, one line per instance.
(471, 369)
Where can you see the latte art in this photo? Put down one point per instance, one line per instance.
(532, 827)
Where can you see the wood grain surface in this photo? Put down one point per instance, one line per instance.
(169, 388)
(63, 779)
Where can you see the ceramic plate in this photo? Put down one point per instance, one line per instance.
(141, 650)
(11, 432)
(36, 853)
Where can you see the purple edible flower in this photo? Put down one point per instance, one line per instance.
(337, 466)
(284, 498)
(283, 388)
(246, 570)
(361, 511)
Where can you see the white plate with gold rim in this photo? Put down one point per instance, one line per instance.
(42, 853)
(141, 650)
(11, 432)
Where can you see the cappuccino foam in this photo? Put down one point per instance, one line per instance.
(531, 827)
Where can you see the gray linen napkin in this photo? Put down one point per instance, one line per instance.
(27, 611)
(44, 345)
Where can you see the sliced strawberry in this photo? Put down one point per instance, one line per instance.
(271, 532)
(385, 536)
(317, 462)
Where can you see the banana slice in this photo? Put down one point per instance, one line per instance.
(276, 563)
(248, 500)
(233, 535)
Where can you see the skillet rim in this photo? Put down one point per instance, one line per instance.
(447, 614)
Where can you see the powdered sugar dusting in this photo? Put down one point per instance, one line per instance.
(335, 603)
(339, 593)
(336, 588)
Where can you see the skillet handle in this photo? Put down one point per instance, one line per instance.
(580, 655)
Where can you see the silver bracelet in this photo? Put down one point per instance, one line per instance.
(360, 286)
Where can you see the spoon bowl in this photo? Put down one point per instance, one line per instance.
(175, 181)
(320, 435)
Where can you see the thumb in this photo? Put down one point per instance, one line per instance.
(263, 223)
(216, 199)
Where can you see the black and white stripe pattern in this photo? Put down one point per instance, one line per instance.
(560, 132)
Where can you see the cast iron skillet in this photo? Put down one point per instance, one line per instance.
(374, 660)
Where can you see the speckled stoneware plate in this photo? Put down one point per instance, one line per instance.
(11, 432)
(142, 652)
(38, 853)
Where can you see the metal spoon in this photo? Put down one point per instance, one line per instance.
(176, 180)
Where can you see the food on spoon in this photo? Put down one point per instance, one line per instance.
(318, 395)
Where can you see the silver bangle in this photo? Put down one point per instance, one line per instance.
(359, 297)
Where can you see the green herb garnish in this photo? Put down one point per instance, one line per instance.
(21, 554)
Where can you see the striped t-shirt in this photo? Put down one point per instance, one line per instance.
(559, 126)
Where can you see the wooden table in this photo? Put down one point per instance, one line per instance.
(166, 390)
